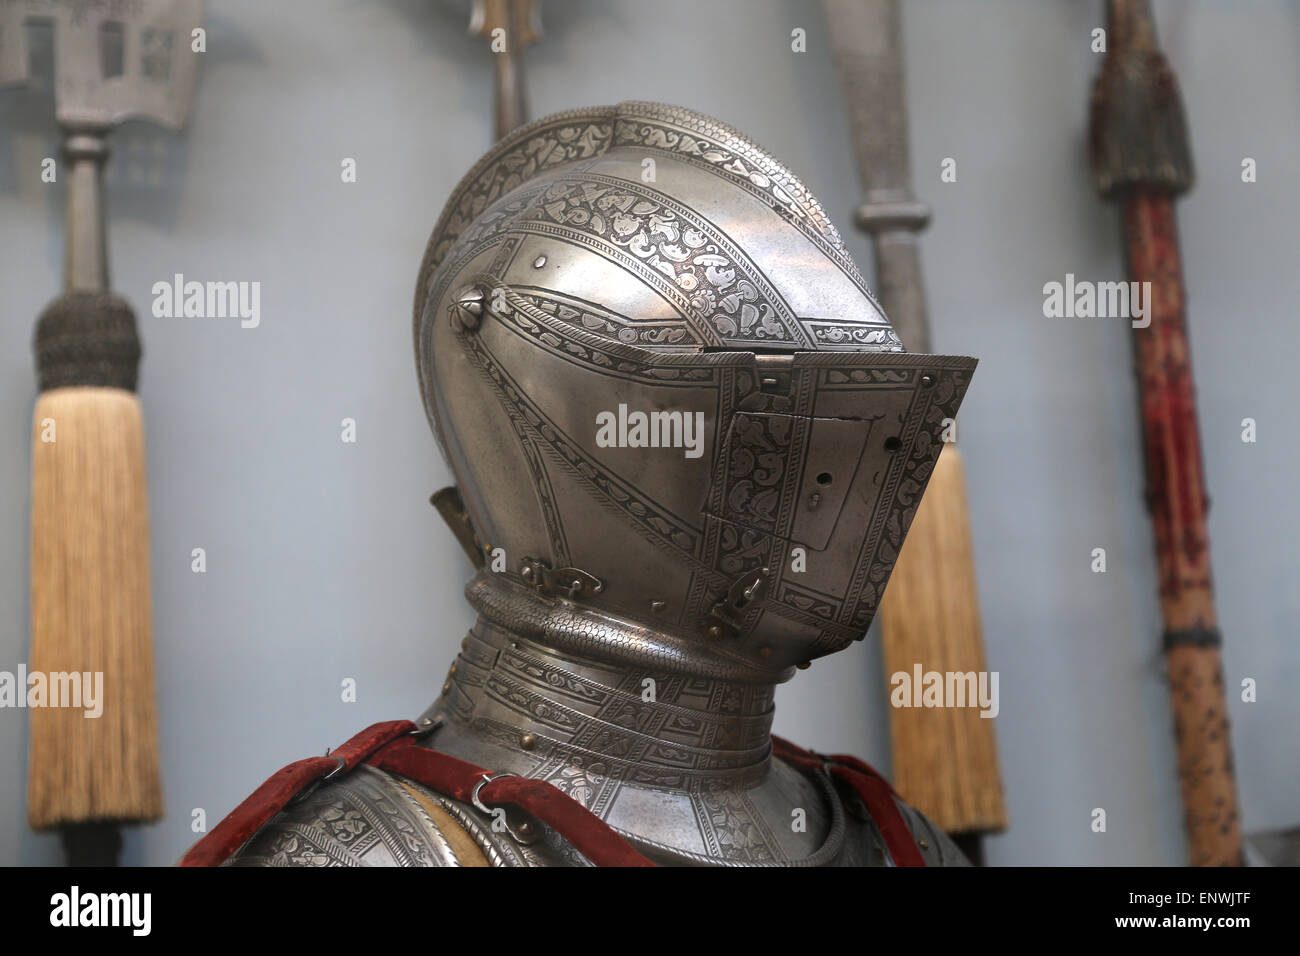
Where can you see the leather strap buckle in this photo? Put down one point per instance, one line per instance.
(479, 805)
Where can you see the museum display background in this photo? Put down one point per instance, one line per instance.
(325, 560)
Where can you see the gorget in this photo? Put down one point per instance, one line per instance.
(670, 747)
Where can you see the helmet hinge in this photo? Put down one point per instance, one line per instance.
(726, 616)
(573, 583)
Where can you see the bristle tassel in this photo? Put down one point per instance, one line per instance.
(91, 610)
(944, 758)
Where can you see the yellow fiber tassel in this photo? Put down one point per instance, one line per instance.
(91, 613)
(944, 758)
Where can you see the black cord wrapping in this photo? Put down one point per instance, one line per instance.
(87, 338)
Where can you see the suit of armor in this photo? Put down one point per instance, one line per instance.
(687, 446)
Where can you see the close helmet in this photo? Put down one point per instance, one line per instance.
(668, 396)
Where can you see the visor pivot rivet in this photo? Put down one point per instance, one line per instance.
(467, 309)
(528, 741)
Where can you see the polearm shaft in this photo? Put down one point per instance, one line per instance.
(1140, 156)
(944, 759)
(866, 38)
(510, 26)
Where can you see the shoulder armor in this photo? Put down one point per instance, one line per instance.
(365, 818)
(864, 846)
(937, 848)
(372, 818)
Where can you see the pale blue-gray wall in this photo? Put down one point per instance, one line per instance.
(325, 560)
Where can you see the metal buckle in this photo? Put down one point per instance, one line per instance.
(479, 805)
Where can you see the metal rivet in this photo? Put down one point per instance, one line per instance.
(446, 686)
(927, 381)
(467, 309)
(715, 631)
(656, 607)
(528, 741)
(525, 829)
(452, 669)
(923, 844)
(426, 721)
(539, 262)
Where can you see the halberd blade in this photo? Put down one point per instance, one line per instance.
(113, 61)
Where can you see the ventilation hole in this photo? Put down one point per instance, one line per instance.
(824, 478)
(892, 444)
(111, 50)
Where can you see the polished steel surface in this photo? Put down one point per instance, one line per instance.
(639, 600)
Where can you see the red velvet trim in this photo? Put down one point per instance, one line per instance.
(794, 755)
(587, 833)
(388, 746)
(272, 797)
(879, 798)
(862, 767)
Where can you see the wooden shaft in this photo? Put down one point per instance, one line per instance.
(1178, 505)
(511, 102)
(866, 39)
(944, 760)
(86, 256)
(898, 282)
(510, 107)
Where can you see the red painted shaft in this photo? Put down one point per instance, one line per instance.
(1178, 505)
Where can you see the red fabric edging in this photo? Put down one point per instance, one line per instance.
(389, 746)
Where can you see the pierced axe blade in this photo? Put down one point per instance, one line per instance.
(114, 60)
